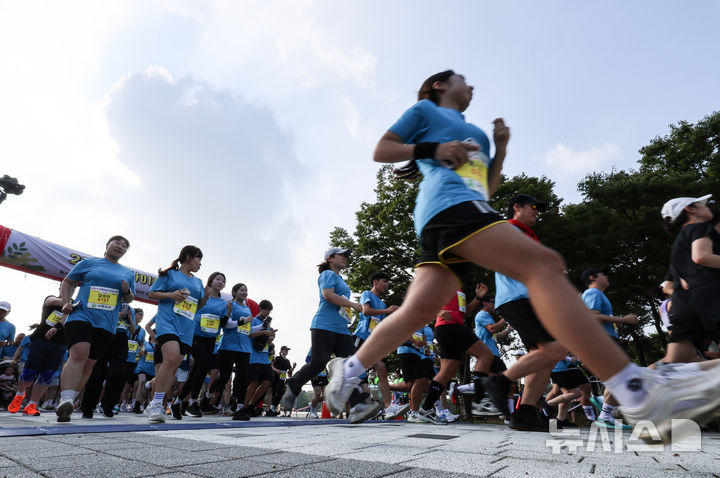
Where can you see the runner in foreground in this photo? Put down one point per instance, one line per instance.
(457, 227)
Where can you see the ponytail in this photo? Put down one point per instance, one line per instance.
(325, 266)
(186, 253)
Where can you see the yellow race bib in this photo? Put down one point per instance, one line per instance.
(346, 313)
(373, 323)
(474, 173)
(54, 318)
(462, 305)
(102, 298)
(186, 308)
(218, 339)
(209, 323)
(150, 357)
(283, 376)
(132, 346)
(245, 328)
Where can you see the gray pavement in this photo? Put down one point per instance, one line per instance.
(375, 449)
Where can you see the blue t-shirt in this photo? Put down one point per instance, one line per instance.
(564, 365)
(207, 319)
(409, 348)
(100, 296)
(7, 332)
(507, 289)
(429, 351)
(237, 338)
(146, 364)
(177, 319)
(367, 323)
(481, 320)
(442, 188)
(328, 316)
(25, 344)
(595, 299)
(134, 344)
(259, 356)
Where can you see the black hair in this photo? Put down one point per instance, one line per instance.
(377, 276)
(213, 276)
(427, 92)
(265, 304)
(186, 253)
(236, 287)
(117, 238)
(673, 227)
(138, 309)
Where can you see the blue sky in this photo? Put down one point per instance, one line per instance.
(247, 128)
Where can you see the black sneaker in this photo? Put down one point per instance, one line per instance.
(136, 408)
(175, 408)
(497, 388)
(242, 414)
(194, 410)
(183, 408)
(527, 420)
(87, 415)
(256, 411)
(108, 412)
(206, 407)
(566, 424)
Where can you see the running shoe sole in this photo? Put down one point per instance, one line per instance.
(336, 376)
(63, 412)
(365, 413)
(399, 413)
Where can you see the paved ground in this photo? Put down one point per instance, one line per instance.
(278, 447)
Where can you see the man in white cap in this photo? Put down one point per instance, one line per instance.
(7, 329)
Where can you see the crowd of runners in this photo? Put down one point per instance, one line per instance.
(202, 354)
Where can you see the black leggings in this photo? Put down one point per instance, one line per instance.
(324, 343)
(111, 370)
(227, 359)
(202, 350)
(278, 387)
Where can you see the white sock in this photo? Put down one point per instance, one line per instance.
(69, 394)
(606, 413)
(467, 388)
(239, 406)
(134, 401)
(629, 386)
(177, 401)
(193, 401)
(511, 405)
(158, 398)
(32, 402)
(589, 412)
(208, 395)
(148, 385)
(353, 367)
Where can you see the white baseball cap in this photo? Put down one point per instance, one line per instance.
(5, 305)
(674, 207)
(334, 250)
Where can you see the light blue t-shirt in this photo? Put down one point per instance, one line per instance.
(7, 332)
(367, 323)
(100, 296)
(207, 319)
(146, 364)
(237, 339)
(507, 289)
(481, 320)
(564, 365)
(595, 299)
(407, 348)
(328, 315)
(177, 319)
(442, 188)
(134, 344)
(256, 356)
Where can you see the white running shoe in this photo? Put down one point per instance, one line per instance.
(485, 409)
(311, 414)
(64, 410)
(396, 410)
(156, 413)
(675, 395)
(338, 391)
(364, 411)
(448, 416)
(428, 416)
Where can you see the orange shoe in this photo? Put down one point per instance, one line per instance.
(31, 410)
(14, 406)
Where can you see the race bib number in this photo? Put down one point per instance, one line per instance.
(244, 329)
(150, 357)
(346, 313)
(218, 339)
(474, 173)
(266, 348)
(132, 346)
(373, 323)
(54, 318)
(102, 298)
(283, 376)
(209, 323)
(462, 305)
(417, 336)
(186, 308)
(121, 325)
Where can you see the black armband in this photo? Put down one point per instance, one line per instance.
(424, 150)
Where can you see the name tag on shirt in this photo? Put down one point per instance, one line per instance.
(102, 298)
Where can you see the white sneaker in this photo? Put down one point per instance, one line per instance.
(448, 416)
(428, 416)
(364, 411)
(396, 410)
(485, 409)
(340, 388)
(412, 417)
(156, 413)
(64, 410)
(675, 394)
(311, 414)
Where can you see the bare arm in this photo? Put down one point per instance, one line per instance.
(702, 253)
(629, 319)
(392, 149)
(367, 310)
(501, 136)
(66, 289)
(336, 299)
(496, 327)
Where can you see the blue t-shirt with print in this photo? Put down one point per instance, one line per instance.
(482, 319)
(409, 348)
(441, 187)
(207, 319)
(261, 356)
(146, 364)
(134, 344)
(328, 316)
(177, 319)
(595, 299)
(100, 296)
(237, 338)
(7, 332)
(367, 323)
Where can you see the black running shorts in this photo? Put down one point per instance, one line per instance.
(520, 314)
(454, 340)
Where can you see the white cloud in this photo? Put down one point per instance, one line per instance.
(567, 162)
